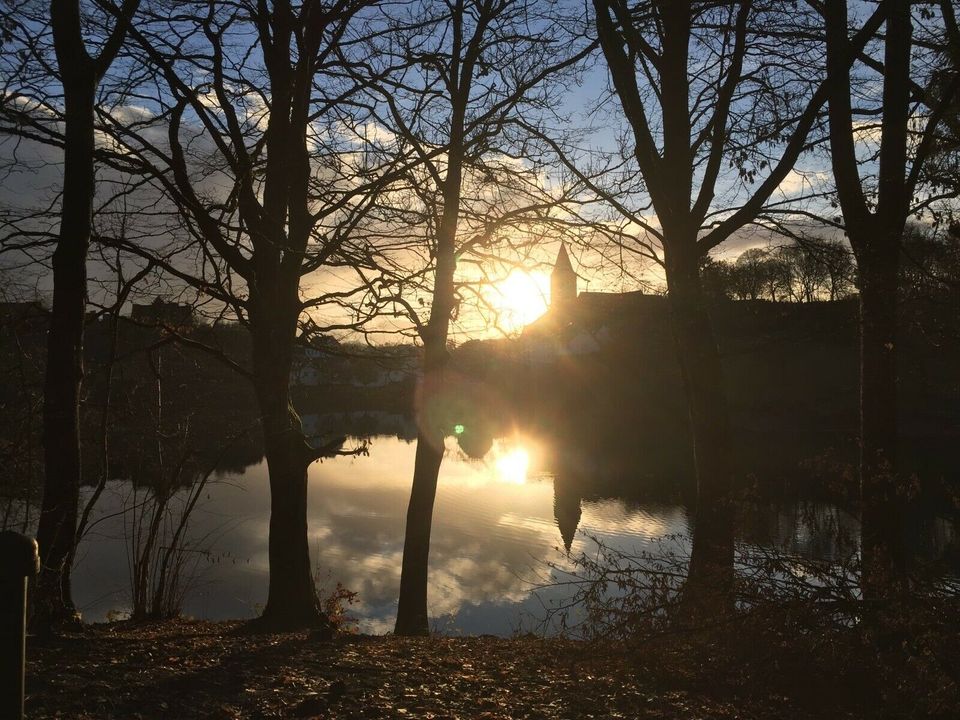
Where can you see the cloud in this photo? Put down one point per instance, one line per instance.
(867, 131)
(798, 182)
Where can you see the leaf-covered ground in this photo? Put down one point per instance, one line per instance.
(212, 670)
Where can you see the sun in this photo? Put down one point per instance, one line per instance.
(520, 298)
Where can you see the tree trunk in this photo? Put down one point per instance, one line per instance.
(412, 604)
(709, 586)
(292, 597)
(56, 531)
(883, 496)
(412, 601)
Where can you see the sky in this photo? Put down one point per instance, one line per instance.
(30, 179)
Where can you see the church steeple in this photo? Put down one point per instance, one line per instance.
(563, 281)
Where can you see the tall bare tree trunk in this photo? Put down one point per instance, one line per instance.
(709, 584)
(57, 529)
(876, 230)
(412, 602)
(56, 532)
(883, 497)
(292, 597)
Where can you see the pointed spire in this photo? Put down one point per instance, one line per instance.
(563, 282)
(562, 263)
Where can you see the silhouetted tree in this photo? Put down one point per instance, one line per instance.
(806, 273)
(79, 73)
(837, 262)
(943, 166)
(255, 151)
(717, 278)
(752, 271)
(875, 213)
(701, 89)
(930, 265)
(455, 83)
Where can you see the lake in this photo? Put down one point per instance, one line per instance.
(501, 524)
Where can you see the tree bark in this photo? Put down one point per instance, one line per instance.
(709, 586)
(292, 597)
(876, 238)
(412, 601)
(883, 496)
(412, 604)
(56, 531)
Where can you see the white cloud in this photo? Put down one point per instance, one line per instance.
(801, 181)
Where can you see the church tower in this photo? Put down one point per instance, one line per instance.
(563, 282)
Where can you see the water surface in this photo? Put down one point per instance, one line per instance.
(502, 524)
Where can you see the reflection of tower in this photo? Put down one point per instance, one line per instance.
(566, 508)
(563, 282)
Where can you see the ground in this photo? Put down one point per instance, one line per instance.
(213, 670)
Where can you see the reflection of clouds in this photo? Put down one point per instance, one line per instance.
(318, 534)
(468, 580)
(612, 517)
(357, 512)
(490, 539)
(514, 523)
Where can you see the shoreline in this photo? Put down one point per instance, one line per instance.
(199, 669)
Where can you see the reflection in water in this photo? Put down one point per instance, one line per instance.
(498, 521)
(512, 466)
(566, 508)
(492, 532)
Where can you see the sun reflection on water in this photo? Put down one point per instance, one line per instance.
(512, 466)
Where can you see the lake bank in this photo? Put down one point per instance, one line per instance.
(188, 669)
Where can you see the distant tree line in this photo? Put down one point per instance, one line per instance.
(819, 269)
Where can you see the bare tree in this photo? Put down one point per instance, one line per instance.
(838, 265)
(807, 269)
(752, 271)
(73, 26)
(252, 144)
(806, 274)
(875, 212)
(454, 82)
(701, 89)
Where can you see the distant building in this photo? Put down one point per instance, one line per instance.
(563, 282)
(161, 312)
(581, 323)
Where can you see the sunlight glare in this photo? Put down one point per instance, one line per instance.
(521, 298)
(512, 466)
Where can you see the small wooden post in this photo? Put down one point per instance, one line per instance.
(19, 561)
